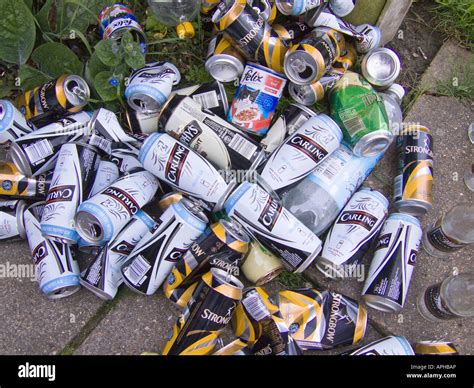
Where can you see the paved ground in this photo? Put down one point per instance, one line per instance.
(131, 324)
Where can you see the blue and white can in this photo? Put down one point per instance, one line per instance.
(12, 123)
(388, 346)
(57, 272)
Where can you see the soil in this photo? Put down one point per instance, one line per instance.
(417, 44)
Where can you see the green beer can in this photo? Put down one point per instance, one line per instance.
(361, 115)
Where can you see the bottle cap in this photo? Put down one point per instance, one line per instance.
(185, 30)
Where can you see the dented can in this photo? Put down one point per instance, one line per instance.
(57, 269)
(388, 346)
(222, 246)
(208, 311)
(151, 261)
(12, 123)
(14, 184)
(297, 7)
(390, 272)
(11, 220)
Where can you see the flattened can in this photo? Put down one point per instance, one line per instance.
(322, 319)
(57, 271)
(413, 186)
(390, 272)
(14, 184)
(220, 142)
(350, 237)
(11, 220)
(273, 226)
(224, 63)
(306, 62)
(301, 153)
(152, 260)
(256, 99)
(101, 217)
(435, 348)
(222, 246)
(66, 94)
(388, 346)
(208, 311)
(103, 275)
(290, 120)
(12, 123)
(182, 168)
(72, 181)
(37, 152)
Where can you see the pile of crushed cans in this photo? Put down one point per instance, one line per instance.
(196, 197)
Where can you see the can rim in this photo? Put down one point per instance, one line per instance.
(362, 147)
(224, 59)
(20, 211)
(225, 278)
(19, 159)
(387, 53)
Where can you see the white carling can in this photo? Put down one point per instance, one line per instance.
(182, 168)
(103, 276)
(299, 155)
(390, 272)
(355, 227)
(107, 173)
(12, 123)
(101, 217)
(57, 271)
(159, 250)
(72, 181)
(11, 220)
(273, 226)
(388, 346)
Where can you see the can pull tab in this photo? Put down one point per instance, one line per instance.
(80, 92)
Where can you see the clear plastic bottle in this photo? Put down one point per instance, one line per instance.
(450, 299)
(317, 200)
(451, 232)
(392, 98)
(176, 13)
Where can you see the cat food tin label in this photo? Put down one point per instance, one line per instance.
(256, 99)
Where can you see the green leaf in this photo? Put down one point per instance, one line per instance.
(94, 66)
(133, 51)
(107, 52)
(55, 59)
(104, 89)
(17, 31)
(29, 3)
(78, 14)
(42, 17)
(30, 77)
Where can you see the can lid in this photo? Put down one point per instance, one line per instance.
(373, 144)
(224, 67)
(305, 94)
(235, 230)
(20, 160)
(372, 40)
(76, 90)
(195, 210)
(381, 66)
(405, 217)
(226, 278)
(382, 198)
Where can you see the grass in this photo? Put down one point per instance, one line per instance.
(460, 84)
(291, 280)
(455, 18)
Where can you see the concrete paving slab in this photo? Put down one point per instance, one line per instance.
(449, 60)
(448, 120)
(30, 323)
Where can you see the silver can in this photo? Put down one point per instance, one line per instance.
(388, 346)
(299, 155)
(371, 39)
(159, 250)
(224, 62)
(287, 123)
(11, 220)
(72, 181)
(103, 276)
(101, 217)
(182, 168)
(390, 272)
(57, 271)
(381, 67)
(350, 237)
(273, 226)
(12, 123)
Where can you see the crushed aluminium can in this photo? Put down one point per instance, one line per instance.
(11, 220)
(220, 142)
(307, 61)
(208, 311)
(152, 260)
(57, 269)
(350, 237)
(106, 174)
(37, 152)
(148, 88)
(301, 153)
(222, 246)
(182, 168)
(66, 94)
(291, 32)
(103, 275)
(297, 7)
(413, 186)
(390, 272)
(388, 346)
(224, 63)
(322, 319)
(435, 348)
(256, 99)
(273, 226)
(12, 123)
(102, 216)
(14, 184)
(71, 183)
